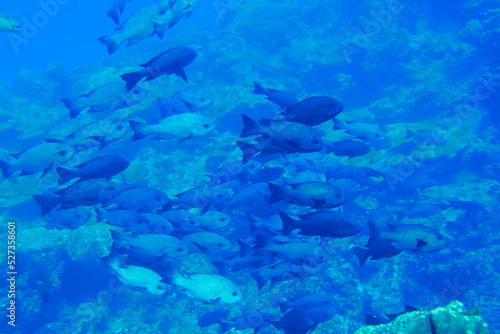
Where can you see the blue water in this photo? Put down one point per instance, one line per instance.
(426, 75)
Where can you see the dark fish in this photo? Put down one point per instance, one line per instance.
(422, 210)
(211, 318)
(139, 198)
(303, 321)
(69, 218)
(103, 167)
(252, 320)
(331, 224)
(427, 137)
(314, 194)
(84, 193)
(150, 244)
(307, 301)
(283, 99)
(144, 222)
(285, 271)
(169, 62)
(392, 240)
(314, 110)
(107, 98)
(348, 148)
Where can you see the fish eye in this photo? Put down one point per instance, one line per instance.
(338, 196)
(162, 12)
(119, 127)
(180, 249)
(202, 99)
(160, 287)
(111, 188)
(235, 294)
(220, 196)
(62, 153)
(222, 219)
(206, 126)
(315, 141)
(220, 244)
(78, 216)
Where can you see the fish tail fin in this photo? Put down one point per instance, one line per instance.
(7, 169)
(64, 175)
(258, 89)
(337, 124)
(259, 279)
(47, 203)
(119, 239)
(277, 193)
(99, 215)
(225, 326)
(170, 274)
(73, 105)
(362, 254)
(283, 307)
(112, 42)
(139, 129)
(244, 248)
(166, 106)
(375, 231)
(248, 150)
(250, 127)
(133, 78)
(288, 223)
(410, 134)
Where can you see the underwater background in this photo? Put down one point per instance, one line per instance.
(389, 198)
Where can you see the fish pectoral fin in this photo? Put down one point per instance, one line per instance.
(421, 244)
(215, 301)
(180, 73)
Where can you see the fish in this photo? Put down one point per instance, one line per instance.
(97, 134)
(181, 9)
(68, 219)
(348, 148)
(314, 194)
(297, 252)
(422, 210)
(278, 137)
(184, 101)
(178, 126)
(234, 171)
(116, 10)
(150, 244)
(285, 271)
(189, 220)
(169, 62)
(209, 243)
(303, 321)
(291, 136)
(391, 240)
(364, 131)
(143, 23)
(209, 288)
(84, 193)
(8, 24)
(103, 167)
(42, 158)
(283, 99)
(202, 197)
(252, 320)
(332, 224)
(143, 222)
(107, 98)
(314, 110)
(308, 301)
(141, 198)
(138, 277)
(428, 137)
